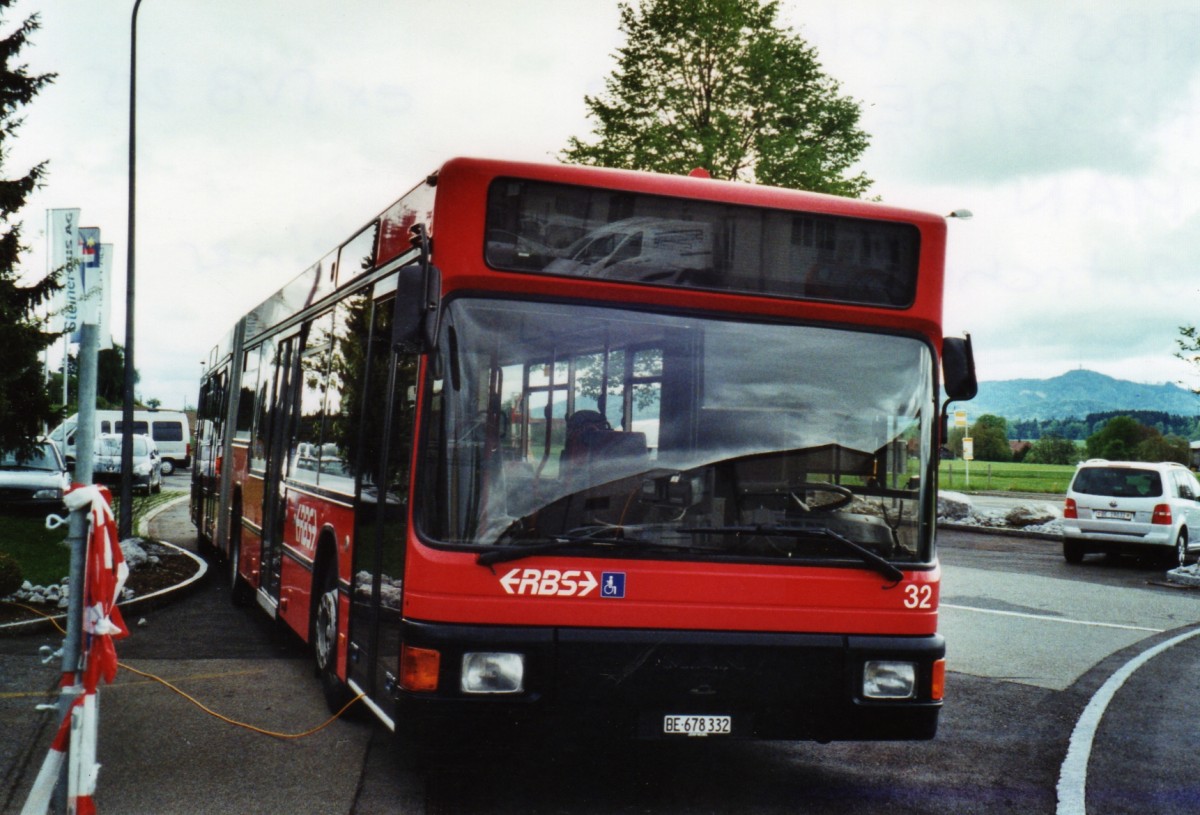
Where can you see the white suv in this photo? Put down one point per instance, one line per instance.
(1125, 506)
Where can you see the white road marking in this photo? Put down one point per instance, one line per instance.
(1050, 618)
(1072, 776)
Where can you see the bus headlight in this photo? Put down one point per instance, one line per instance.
(488, 672)
(889, 679)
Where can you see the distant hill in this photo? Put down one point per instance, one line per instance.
(1077, 393)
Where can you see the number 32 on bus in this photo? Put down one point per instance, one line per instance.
(577, 447)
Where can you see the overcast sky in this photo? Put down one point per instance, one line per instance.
(269, 131)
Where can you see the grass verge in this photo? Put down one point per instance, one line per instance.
(42, 553)
(998, 476)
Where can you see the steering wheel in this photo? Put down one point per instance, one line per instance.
(844, 496)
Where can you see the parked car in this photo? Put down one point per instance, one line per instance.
(147, 464)
(35, 481)
(1132, 507)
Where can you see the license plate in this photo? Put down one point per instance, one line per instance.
(1114, 515)
(698, 726)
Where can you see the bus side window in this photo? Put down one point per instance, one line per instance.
(245, 405)
(304, 457)
(262, 407)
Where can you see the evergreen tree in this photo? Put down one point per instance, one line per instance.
(718, 84)
(25, 404)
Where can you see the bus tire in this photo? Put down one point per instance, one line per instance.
(239, 591)
(324, 636)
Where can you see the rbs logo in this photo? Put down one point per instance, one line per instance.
(550, 582)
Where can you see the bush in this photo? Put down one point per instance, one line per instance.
(1053, 449)
(10, 574)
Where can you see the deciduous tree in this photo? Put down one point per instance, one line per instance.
(1118, 439)
(1053, 449)
(719, 84)
(991, 438)
(1189, 347)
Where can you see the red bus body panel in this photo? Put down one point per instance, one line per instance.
(310, 518)
(547, 591)
(459, 220)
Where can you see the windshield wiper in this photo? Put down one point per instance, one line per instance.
(875, 561)
(592, 536)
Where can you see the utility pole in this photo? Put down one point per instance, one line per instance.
(125, 522)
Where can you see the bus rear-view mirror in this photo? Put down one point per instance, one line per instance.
(958, 369)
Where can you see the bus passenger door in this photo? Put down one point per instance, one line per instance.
(210, 435)
(282, 420)
(386, 414)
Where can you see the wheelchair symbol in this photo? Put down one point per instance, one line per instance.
(612, 584)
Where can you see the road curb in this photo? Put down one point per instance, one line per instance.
(1184, 576)
(1009, 531)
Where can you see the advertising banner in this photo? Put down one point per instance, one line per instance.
(90, 280)
(104, 298)
(65, 251)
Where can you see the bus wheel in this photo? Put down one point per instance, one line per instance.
(324, 639)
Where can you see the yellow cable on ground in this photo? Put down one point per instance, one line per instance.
(200, 704)
(38, 612)
(236, 723)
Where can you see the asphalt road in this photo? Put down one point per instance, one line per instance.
(1032, 644)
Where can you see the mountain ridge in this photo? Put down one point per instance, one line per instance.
(1077, 393)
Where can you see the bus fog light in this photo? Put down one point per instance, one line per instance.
(493, 673)
(887, 679)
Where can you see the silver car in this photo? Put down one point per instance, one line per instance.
(147, 464)
(35, 481)
(1132, 507)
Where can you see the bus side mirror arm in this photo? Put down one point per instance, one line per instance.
(416, 312)
(418, 300)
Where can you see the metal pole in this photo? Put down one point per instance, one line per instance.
(66, 367)
(72, 651)
(125, 522)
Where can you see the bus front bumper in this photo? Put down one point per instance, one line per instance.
(670, 684)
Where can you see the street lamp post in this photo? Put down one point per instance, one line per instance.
(125, 522)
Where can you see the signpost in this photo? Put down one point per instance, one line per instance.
(968, 445)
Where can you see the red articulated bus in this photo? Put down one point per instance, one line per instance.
(574, 447)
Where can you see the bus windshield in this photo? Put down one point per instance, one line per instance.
(571, 426)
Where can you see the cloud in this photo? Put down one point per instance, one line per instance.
(986, 91)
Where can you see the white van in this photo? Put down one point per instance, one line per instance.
(168, 428)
